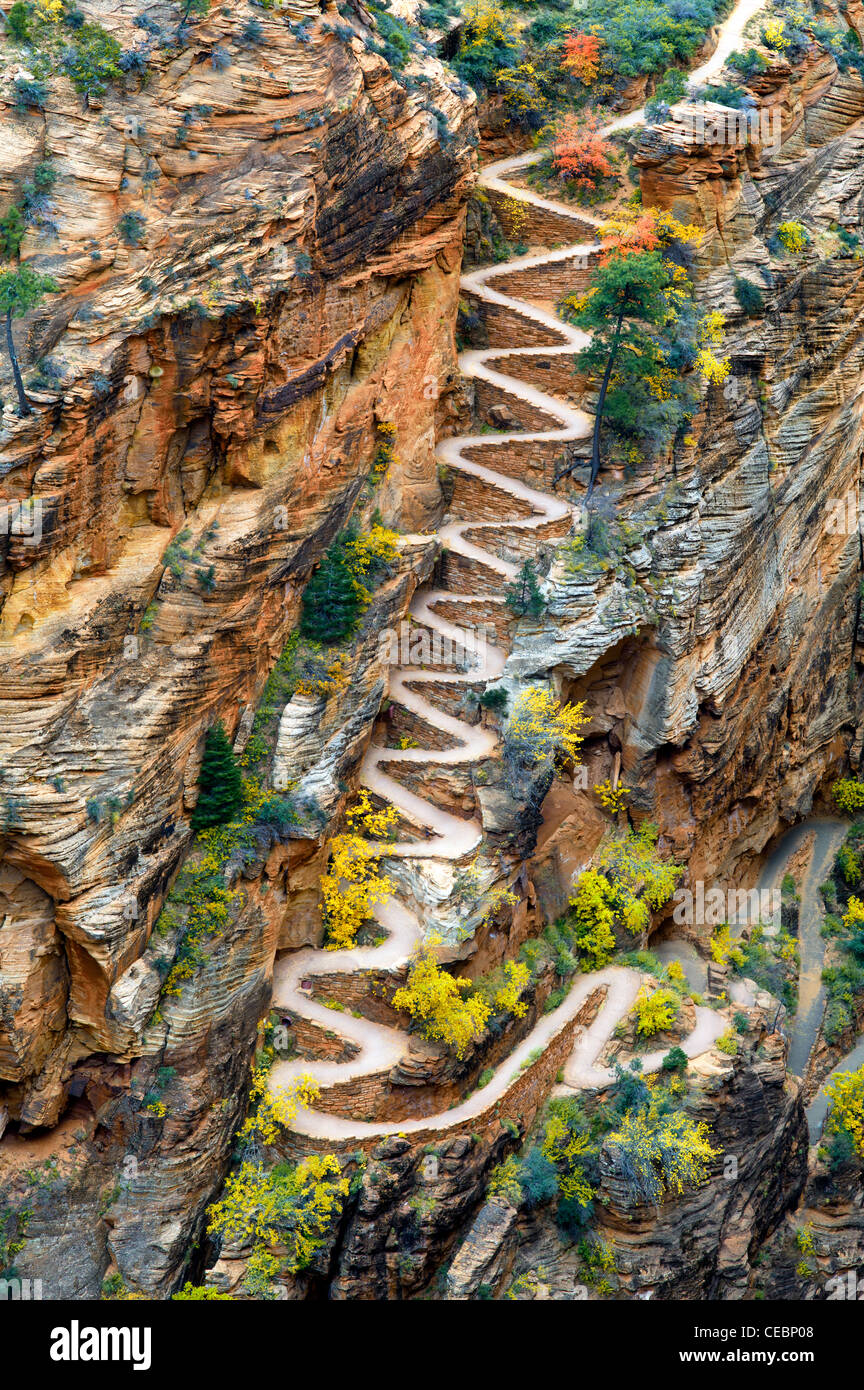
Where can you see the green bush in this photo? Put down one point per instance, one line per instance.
(749, 296)
(538, 1179)
(670, 89)
(646, 36)
(675, 1060)
(12, 229)
(338, 592)
(332, 601)
(31, 94)
(725, 94)
(93, 60)
(749, 63)
(131, 228)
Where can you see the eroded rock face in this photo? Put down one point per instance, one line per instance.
(217, 385)
(818, 1251)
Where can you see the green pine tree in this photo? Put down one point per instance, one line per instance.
(333, 600)
(221, 788)
(523, 595)
(628, 294)
(12, 229)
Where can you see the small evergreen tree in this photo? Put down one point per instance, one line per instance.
(333, 600)
(221, 787)
(12, 229)
(17, 22)
(495, 699)
(21, 290)
(523, 595)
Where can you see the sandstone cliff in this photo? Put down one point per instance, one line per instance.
(204, 420)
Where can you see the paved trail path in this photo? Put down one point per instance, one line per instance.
(453, 838)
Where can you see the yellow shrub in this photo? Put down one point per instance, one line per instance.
(567, 1151)
(353, 885)
(655, 1011)
(508, 998)
(540, 727)
(793, 237)
(845, 1093)
(848, 793)
(366, 547)
(712, 369)
(613, 798)
(854, 914)
(288, 1207)
(774, 35)
(593, 911)
(441, 1004)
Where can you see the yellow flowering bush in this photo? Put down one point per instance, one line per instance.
(656, 1011)
(629, 882)
(723, 949)
(728, 1042)
(568, 1150)
(540, 727)
(353, 883)
(710, 335)
(845, 1093)
(642, 880)
(292, 1207)
(592, 908)
(774, 35)
(655, 1153)
(366, 548)
(854, 914)
(270, 1112)
(793, 237)
(508, 999)
(443, 1006)
(848, 794)
(612, 798)
(385, 452)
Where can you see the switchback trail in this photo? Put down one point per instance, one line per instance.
(448, 836)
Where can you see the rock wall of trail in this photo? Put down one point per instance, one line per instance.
(698, 1245)
(218, 386)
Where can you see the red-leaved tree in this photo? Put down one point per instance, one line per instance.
(582, 57)
(580, 154)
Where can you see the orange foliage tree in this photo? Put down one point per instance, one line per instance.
(580, 154)
(582, 57)
(634, 230)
